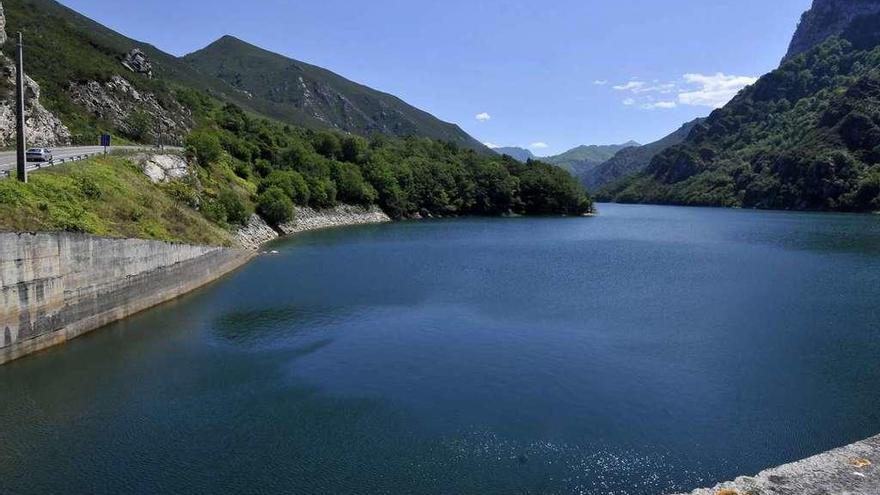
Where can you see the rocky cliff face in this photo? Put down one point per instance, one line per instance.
(134, 113)
(43, 128)
(828, 18)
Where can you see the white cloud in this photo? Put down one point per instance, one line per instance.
(483, 117)
(539, 145)
(712, 90)
(692, 89)
(633, 86)
(492, 145)
(659, 105)
(600, 82)
(639, 87)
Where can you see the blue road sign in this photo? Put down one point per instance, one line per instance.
(105, 140)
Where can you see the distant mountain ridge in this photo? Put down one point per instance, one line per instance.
(582, 159)
(308, 95)
(519, 154)
(633, 160)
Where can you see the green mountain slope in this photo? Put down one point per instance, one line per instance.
(64, 48)
(579, 161)
(78, 64)
(629, 161)
(806, 136)
(311, 96)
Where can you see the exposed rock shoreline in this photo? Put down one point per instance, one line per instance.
(850, 470)
(258, 232)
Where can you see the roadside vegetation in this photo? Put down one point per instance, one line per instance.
(107, 196)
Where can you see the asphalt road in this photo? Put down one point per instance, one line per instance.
(8, 158)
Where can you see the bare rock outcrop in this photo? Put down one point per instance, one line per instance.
(828, 18)
(163, 167)
(3, 36)
(136, 61)
(850, 470)
(135, 113)
(306, 218)
(43, 127)
(255, 233)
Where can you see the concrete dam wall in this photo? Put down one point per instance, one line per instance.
(57, 286)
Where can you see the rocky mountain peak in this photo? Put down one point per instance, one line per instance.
(828, 18)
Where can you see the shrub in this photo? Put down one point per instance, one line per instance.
(89, 188)
(214, 212)
(235, 210)
(242, 170)
(351, 186)
(204, 146)
(291, 182)
(275, 206)
(182, 193)
(323, 193)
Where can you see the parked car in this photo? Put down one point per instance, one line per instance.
(39, 155)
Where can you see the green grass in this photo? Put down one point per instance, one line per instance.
(107, 196)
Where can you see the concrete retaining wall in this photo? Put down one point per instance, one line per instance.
(57, 286)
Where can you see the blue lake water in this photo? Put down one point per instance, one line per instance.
(648, 350)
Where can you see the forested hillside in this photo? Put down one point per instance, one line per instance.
(630, 161)
(405, 177)
(805, 136)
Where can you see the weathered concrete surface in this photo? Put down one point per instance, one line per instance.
(850, 470)
(57, 286)
(306, 219)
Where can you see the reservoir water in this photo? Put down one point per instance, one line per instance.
(648, 350)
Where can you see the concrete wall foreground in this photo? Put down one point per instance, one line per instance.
(57, 286)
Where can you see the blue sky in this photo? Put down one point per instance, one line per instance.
(555, 73)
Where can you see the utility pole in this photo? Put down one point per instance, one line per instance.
(19, 115)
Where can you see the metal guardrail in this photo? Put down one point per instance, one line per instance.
(75, 158)
(67, 159)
